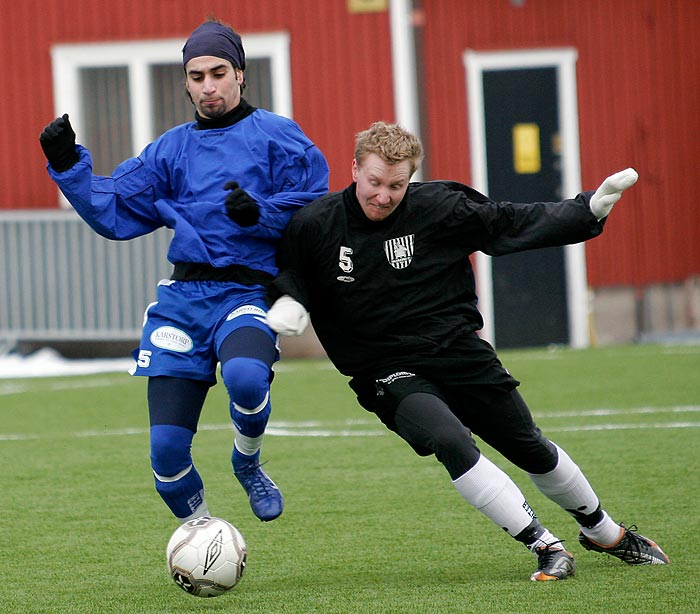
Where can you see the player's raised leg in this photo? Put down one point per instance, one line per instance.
(246, 358)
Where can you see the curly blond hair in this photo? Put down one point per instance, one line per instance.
(390, 142)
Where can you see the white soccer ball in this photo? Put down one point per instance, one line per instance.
(206, 556)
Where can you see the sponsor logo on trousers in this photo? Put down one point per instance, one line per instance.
(170, 338)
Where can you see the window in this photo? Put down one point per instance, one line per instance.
(121, 96)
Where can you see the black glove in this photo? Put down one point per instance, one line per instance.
(240, 207)
(58, 142)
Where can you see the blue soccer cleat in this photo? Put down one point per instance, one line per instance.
(265, 498)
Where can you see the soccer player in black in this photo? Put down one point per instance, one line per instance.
(383, 269)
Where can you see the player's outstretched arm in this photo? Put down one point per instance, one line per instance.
(287, 317)
(610, 192)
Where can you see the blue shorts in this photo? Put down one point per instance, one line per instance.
(184, 329)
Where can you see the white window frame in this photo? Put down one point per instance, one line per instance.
(564, 61)
(137, 56)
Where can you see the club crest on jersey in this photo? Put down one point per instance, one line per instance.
(399, 251)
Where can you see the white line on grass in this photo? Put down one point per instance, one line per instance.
(313, 428)
(677, 409)
(271, 430)
(622, 427)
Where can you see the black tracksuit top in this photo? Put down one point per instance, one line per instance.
(399, 290)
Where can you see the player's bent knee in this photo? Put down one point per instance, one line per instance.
(247, 381)
(457, 454)
(537, 455)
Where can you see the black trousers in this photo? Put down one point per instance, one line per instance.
(437, 405)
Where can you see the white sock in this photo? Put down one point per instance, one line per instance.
(202, 510)
(606, 533)
(247, 445)
(546, 539)
(567, 486)
(495, 495)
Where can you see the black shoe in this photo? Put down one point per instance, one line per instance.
(633, 548)
(553, 563)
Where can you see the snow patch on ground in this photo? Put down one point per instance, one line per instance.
(47, 362)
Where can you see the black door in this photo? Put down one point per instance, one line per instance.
(523, 160)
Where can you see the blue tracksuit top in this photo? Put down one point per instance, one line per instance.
(178, 181)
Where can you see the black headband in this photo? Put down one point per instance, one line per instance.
(215, 39)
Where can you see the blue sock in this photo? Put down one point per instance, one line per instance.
(177, 480)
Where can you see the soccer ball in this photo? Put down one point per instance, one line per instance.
(206, 556)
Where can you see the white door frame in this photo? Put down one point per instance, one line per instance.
(564, 61)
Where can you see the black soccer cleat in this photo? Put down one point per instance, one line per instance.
(553, 563)
(633, 548)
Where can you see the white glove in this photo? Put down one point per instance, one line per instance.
(611, 190)
(287, 316)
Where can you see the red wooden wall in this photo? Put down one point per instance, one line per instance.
(639, 105)
(639, 94)
(340, 62)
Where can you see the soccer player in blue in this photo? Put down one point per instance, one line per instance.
(227, 184)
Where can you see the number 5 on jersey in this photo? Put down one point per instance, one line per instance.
(344, 260)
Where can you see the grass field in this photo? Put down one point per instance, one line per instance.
(368, 526)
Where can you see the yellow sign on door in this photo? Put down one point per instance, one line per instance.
(367, 6)
(526, 149)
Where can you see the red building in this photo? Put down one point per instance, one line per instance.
(608, 85)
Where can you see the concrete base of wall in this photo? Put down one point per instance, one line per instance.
(658, 311)
(304, 346)
(619, 315)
